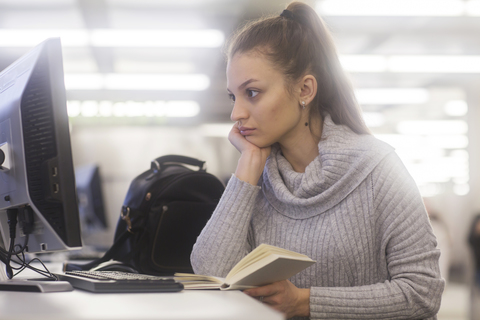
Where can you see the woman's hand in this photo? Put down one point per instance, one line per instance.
(285, 297)
(252, 160)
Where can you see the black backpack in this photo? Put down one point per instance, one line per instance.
(164, 211)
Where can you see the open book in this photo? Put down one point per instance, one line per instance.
(264, 265)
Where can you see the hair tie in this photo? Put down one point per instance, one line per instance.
(287, 14)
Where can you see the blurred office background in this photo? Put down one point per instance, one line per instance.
(146, 78)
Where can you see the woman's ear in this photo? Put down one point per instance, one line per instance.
(308, 88)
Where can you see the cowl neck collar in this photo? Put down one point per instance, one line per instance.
(345, 159)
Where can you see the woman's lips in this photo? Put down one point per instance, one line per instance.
(244, 131)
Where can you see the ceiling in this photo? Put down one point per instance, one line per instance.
(370, 35)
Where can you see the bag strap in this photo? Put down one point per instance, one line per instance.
(161, 161)
(110, 254)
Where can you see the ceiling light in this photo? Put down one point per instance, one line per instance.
(149, 66)
(430, 127)
(182, 109)
(391, 7)
(434, 64)
(171, 109)
(74, 107)
(461, 189)
(207, 38)
(89, 108)
(411, 64)
(157, 38)
(87, 81)
(456, 108)
(392, 96)
(117, 81)
(193, 82)
(30, 38)
(364, 63)
(436, 142)
(473, 7)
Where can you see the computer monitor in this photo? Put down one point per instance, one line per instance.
(90, 199)
(36, 173)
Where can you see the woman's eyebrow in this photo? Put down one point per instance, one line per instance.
(240, 87)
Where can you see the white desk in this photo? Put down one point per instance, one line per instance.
(78, 304)
(181, 305)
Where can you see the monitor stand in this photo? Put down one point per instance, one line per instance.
(33, 285)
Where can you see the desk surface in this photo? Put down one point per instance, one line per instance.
(188, 304)
(78, 304)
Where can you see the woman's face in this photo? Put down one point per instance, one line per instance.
(266, 113)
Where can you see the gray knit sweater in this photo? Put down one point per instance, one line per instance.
(355, 210)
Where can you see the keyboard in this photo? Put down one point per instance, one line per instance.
(119, 282)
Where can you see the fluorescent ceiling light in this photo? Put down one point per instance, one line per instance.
(392, 96)
(411, 64)
(393, 7)
(148, 66)
(456, 108)
(473, 7)
(74, 65)
(170, 109)
(117, 81)
(84, 81)
(30, 38)
(364, 63)
(461, 189)
(430, 127)
(157, 38)
(207, 38)
(434, 64)
(433, 145)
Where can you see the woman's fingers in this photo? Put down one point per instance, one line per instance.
(238, 140)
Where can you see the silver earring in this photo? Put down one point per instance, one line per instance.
(303, 104)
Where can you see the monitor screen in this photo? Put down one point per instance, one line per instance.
(36, 168)
(90, 199)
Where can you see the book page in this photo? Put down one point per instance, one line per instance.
(197, 281)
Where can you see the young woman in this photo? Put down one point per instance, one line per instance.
(311, 179)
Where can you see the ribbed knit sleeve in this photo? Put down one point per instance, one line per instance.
(223, 242)
(407, 247)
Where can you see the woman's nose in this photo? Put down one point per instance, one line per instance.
(239, 111)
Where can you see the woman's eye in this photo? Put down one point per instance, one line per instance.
(232, 97)
(252, 93)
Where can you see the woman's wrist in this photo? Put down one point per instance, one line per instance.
(250, 166)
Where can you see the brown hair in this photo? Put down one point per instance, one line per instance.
(301, 44)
